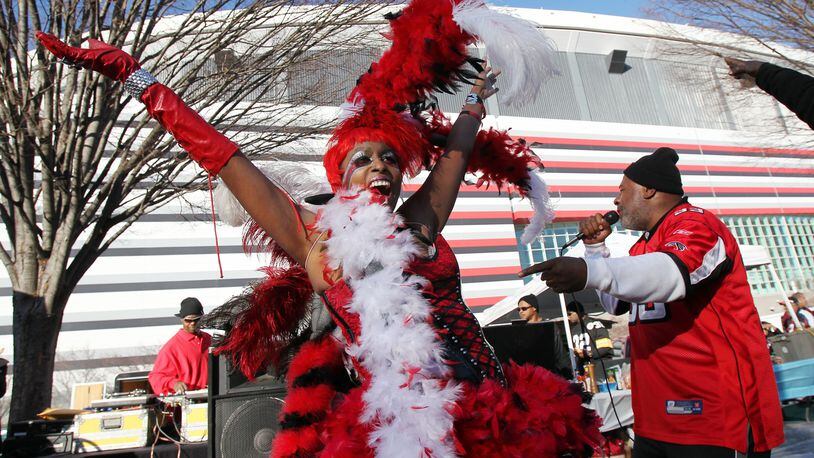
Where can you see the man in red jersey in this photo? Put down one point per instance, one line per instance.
(182, 362)
(702, 380)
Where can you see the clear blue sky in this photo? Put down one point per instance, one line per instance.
(629, 8)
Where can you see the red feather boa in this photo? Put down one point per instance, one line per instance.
(261, 332)
(312, 400)
(499, 158)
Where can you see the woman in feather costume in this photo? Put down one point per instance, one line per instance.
(400, 368)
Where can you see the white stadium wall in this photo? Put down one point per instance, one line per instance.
(587, 127)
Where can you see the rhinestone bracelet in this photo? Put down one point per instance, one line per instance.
(138, 82)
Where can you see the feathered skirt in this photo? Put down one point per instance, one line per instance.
(538, 414)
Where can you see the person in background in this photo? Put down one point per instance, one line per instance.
(769, 329)
(182, 362)
(804, 313)
(582, 337)
(529, 309)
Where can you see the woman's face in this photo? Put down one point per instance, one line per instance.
(374, 166)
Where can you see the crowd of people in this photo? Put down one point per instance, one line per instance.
(390, 361)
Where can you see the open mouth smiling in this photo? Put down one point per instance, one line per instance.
(382, 185)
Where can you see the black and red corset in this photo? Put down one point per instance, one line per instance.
(469, 355)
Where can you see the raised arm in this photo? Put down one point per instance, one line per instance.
(265, 202)
(432, 204)
(791, 88)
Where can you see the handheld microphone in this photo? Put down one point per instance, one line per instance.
(610, 217)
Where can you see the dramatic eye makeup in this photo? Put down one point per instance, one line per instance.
(390, 157)
(362, 158)
(359, 159)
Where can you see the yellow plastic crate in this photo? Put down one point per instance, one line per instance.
(194, 422)
(113, 430)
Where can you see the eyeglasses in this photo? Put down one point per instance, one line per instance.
(523, 309)
(193, 320)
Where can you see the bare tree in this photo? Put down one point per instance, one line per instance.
(81, 161)
(774, 25)
(776, 31)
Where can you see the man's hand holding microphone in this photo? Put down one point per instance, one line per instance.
(566, 274)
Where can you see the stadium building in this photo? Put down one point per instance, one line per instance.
(625, 87)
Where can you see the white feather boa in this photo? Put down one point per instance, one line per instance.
(541, 203)
(516, 46)
(410, 413)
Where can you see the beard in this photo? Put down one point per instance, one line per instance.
(633, 219)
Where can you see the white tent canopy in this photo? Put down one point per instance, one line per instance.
(619, 244)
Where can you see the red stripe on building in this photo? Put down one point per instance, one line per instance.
(522, 217)
(691, 189)
(464, 215)
(651, 145)
(483, 243)
(763, 211)
(480, 271)
(483, 301)
(618, 166)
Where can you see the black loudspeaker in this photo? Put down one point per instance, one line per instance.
(243, 415)
(38, 438)
(533, 343)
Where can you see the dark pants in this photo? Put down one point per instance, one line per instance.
(650, 448)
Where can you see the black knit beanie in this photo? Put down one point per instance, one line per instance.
(657, 171)
(530, 299)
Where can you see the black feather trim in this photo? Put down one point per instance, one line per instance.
(295, 420)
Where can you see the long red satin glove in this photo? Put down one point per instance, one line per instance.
(205, 145)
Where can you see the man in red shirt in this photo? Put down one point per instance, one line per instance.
(182, 364)
(702, 379)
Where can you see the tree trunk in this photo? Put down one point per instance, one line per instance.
(35, 341)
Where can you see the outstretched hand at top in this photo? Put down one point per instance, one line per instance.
(743, 69)
(100, 57)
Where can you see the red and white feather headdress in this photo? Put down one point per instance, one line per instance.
(428, 53)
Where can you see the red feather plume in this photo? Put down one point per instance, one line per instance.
(500, 159)
(427, 52)
(263, 330)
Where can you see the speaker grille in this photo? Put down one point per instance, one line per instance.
(249, 425)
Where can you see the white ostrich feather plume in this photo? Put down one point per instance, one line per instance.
(516, 46)
(541, 203)
(293, 178)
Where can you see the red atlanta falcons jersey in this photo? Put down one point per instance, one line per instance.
(701, 372)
